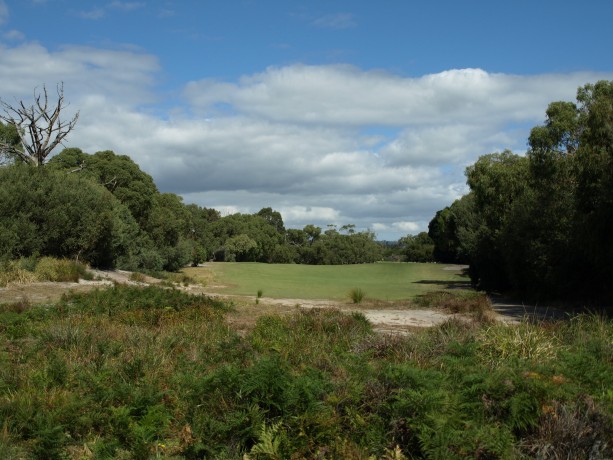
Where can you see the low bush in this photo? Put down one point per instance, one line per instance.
(51, 269)
(32, 269)
(13, 272)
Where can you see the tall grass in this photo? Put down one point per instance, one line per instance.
(31, 269)
(357, 295)
(142, 373)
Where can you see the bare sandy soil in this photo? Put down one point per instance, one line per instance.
(388, 317)
(45, 292)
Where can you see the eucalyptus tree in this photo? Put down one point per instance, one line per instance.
(9, 142)
(542, 224)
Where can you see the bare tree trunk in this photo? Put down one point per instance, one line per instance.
(39, 126)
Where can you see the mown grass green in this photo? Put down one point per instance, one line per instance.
(382, 281)
(145, 373)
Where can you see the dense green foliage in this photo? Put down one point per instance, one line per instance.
(118, 173)
(48, 213)
(417, 248)
(104, 210)
(155, 373)
(542, 224)
(262, 237)
(9, 141)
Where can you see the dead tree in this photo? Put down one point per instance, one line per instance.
(39, 126)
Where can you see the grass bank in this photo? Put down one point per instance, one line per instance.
(380, 281)
(138, 373)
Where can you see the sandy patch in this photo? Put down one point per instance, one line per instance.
(390, 317)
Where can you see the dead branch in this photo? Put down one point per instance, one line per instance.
(39, 126)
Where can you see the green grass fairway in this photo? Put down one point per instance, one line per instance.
(380, 281)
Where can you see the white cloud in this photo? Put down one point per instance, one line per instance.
(402, 227)
(309, 214)
(298, 138)
(125, 77)
(346, 95)
(444, 143)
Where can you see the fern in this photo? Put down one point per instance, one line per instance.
(269, 444)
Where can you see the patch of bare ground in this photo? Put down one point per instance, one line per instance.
(47, 292)
(400, 317)
(386, 317)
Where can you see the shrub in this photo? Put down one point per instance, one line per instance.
(141, 256)
(50, 269)
(11, 272)
(131, 298)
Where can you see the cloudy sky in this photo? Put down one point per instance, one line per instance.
(329, 111)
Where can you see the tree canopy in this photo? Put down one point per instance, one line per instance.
(128, 223)
(541, 224)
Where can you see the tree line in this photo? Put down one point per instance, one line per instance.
(538, 224)
(541, 225)
(104, 210)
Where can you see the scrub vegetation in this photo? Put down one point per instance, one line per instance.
(133, 372)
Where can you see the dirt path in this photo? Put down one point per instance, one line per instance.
(388, 317)
(513, 310)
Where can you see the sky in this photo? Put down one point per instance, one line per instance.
(330, 112)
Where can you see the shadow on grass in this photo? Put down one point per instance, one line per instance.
(448, 284)
(519, 310)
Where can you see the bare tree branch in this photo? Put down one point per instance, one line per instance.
(39, 126)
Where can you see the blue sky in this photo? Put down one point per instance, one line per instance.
(339, 112)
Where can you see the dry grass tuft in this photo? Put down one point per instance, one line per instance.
(501, 342)
(12, 273)
(571, 430)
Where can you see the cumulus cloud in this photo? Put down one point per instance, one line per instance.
(124, 76)
(346, 95)
(403, 227)
(320, 144)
